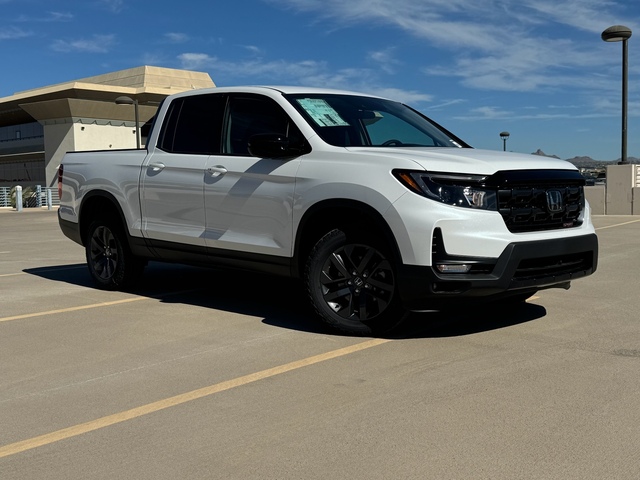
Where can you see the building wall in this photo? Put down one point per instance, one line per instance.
(621, 181)
(596, 196)
(112, 135)
(73, 135)
(58, 139)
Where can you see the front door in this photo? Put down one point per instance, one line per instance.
(249, 200)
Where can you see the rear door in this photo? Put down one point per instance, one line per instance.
(172, 181)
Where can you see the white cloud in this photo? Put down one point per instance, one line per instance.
(494, 44)
(95, 44)
(14, 33)
(305, 72)
(385, 60)
(487, 112)
(410, 97)
(495, 113)
(196, 61)
(562, 107)
(253, 49)
(278, 70)
(50, 17)
(589, 15)
(447, 103)
(115, 6)
(174, 37)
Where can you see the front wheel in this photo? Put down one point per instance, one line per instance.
(352, 285)
(111, 263)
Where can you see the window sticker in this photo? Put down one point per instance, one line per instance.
(321, 112)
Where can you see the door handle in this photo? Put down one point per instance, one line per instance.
(216, 170)
(156, 166)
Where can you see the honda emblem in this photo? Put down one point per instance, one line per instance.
(554, 201)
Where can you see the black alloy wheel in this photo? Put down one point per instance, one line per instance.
(104, 254)
(111, 263)
(352, 285)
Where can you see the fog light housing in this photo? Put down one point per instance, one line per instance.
(453, 267)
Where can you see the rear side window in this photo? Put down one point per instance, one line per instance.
(193, 125)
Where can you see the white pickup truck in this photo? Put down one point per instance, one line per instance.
(376, 208)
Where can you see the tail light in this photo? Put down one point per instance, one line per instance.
(60, 169)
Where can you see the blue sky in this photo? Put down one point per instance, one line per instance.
(535, 68)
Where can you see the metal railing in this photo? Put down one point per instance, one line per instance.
(5, 196)
(32, 197)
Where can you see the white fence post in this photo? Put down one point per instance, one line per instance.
(18, 198)
(49, 200)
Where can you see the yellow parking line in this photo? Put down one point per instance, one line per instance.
(120, 417)
(618, 224)
(96, 305)
(74, 309)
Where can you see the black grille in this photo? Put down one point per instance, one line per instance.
(557, 266)
(539, 199)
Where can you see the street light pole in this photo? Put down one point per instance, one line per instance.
(620, 33)
(504, 136)
(124, 100)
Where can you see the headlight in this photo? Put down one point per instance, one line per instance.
(459, 190)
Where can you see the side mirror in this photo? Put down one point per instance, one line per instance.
(274, 145)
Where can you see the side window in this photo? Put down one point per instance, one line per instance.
(194, 125)
(252, 114)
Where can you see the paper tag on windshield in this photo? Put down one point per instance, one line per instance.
(321, 112)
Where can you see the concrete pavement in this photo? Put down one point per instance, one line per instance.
(209, 374)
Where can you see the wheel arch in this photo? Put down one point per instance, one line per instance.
(343, 214)
(99, 204)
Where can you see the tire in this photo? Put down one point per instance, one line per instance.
(351, 284)
(111, 263)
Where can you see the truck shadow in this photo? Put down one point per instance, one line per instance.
(282, 302)
(461, 321)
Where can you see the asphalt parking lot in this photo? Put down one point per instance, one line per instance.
(204, 374)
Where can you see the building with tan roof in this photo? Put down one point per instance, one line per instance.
(37, 127)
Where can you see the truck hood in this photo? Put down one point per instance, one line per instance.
(465, 160)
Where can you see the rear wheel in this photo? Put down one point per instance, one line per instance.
(352, 284)
(111, 263)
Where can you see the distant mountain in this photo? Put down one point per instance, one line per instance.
(542, 154)
(587, 162)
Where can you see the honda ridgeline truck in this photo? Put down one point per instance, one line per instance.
(376, 208)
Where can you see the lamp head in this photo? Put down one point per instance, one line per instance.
(616, 33)
(124, 100)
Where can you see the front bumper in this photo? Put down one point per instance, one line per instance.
(522, 267)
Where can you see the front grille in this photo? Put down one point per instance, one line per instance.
(538, 200)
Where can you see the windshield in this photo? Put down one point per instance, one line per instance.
(356, 121)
